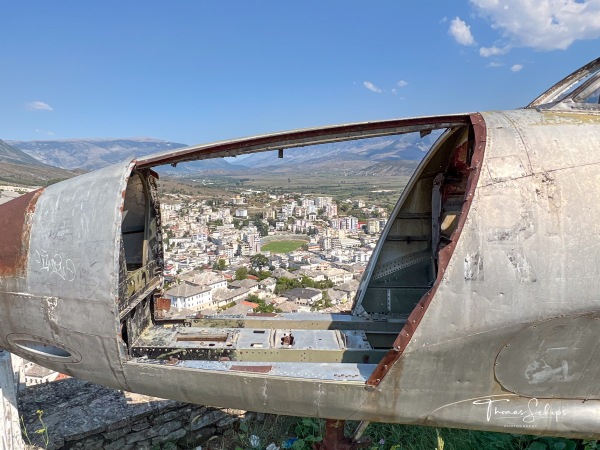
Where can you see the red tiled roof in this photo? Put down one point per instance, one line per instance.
(250, 304)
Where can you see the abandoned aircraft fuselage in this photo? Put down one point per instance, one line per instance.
(479, 308)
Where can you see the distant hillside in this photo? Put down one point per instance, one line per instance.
(91, 154)
(16, 167)
(389, 155)
(11, 154)
(395, 168)
(348, 157)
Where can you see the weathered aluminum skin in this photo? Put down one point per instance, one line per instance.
(532, 221)
(523, 257)
(66, 301)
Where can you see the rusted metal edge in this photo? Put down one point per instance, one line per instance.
(15, 223)
(253, 369)
(415, 317)
(302, 138)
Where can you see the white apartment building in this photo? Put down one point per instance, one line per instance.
(189, 296)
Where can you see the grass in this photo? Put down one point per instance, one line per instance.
(299, 433)
(283, 246)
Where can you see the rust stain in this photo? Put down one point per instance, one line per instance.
(15, 223)
(202, 338)
(415, 317)
(162, 304)
(335, 439)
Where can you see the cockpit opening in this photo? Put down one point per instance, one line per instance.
(404, 267)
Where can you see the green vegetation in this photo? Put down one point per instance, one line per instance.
(300, 434)
(283, 246)
(220, 265)
(259, 261)
(241, 273)
(227, 306)
(337, 185)
(263, 307)
(42, 432)
(285, 284)
(261, 275)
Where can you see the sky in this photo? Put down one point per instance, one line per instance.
(201, 71)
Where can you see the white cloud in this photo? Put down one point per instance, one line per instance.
(39, 106)
(486, 52)
(47, 133)
(402, 83)
(517, 67)
(543, 24)
(494, 64)
(370, 86)
(461, 32)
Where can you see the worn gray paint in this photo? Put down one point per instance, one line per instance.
(525, 259)
(68, 299)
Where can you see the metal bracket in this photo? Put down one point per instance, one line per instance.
(335, 440)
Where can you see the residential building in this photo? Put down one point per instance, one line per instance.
(303, 296)
(189, 296)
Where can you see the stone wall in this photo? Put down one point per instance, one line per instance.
(82, 415)
(10, 431)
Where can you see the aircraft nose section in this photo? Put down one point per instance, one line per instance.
(59, 275)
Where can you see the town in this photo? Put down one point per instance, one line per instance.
(259, 252)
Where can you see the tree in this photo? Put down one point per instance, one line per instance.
(259, 261)
(241, 273)
(263, 307)
(262, 227)
(263, 274)
(220, 265)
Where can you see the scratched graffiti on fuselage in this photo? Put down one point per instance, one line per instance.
(57, 265)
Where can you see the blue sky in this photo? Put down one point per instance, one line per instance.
(200, 71)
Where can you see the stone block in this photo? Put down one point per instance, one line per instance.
(204, 420)
(150, 433)
(115, 445)
(143, 445)
(91, 443)
(227, 421)
(141, 425)
(139, 436)
(168, 427)
(175, 414)
(191, 440)
(119, 432)
(171, 437)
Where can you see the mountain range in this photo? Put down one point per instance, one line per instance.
(389, 155)
(17, 167)
(374, 155)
